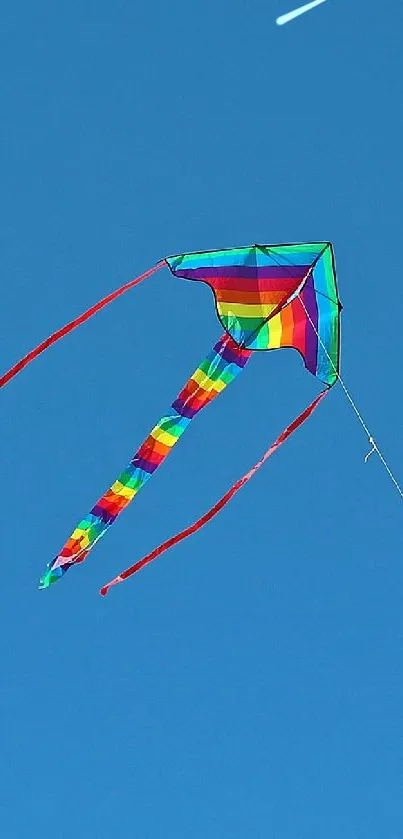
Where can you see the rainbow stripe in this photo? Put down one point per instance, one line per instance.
(220, 367)
(273, 296)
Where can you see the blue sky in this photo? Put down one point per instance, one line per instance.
(249, 683)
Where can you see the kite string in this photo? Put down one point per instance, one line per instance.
(371, 440)
(373, 444)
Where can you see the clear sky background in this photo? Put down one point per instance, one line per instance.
(249, 683)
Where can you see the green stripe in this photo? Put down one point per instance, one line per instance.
(316, 247)
(198, 258)
(329, 273)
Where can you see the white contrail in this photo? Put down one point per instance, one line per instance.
(297, 12)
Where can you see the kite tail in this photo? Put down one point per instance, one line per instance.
(218, 369)
(174, 540)
(73, 325)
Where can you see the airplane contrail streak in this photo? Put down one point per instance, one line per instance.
(297, 12)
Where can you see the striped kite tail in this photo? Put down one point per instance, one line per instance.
(218, 369)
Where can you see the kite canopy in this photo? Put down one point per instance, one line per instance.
(273, 296)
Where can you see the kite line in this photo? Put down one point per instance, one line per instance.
(375, 448)
(371, 440)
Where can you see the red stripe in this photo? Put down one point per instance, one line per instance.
(153, 445)
(72, 325)
(238, 284)
(150, 455)
(194, 393)
(174, 540)
(299, 329)
(113, 503)
(199, 400)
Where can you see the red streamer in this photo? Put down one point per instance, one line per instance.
(72, 325)
(174, 540)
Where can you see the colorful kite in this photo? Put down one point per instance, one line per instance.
(267, 297)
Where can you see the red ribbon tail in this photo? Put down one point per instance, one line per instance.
(193, 528)
(73, 325)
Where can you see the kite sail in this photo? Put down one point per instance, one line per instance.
(267, 297)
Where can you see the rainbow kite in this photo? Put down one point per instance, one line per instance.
(267, 297)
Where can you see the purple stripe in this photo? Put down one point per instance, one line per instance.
(311, 347)
(231, 356)
(270, 272)
(145, 465)
(184, 410)
(103, 515)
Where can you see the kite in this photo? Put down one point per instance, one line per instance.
(266, 297)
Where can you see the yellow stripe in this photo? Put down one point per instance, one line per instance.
(163, 436)
(245, 310)
(81, 536)
(275, 332)
(206, 383)
(79, 532)
(120, 489)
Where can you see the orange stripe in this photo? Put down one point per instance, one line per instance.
(155, 446)
(111, 502)
(196, 402)
(192, 388)
(251, 297)
(298, 338)
(287, 326)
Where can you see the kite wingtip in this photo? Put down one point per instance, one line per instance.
(44, 582)
(52, 575)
